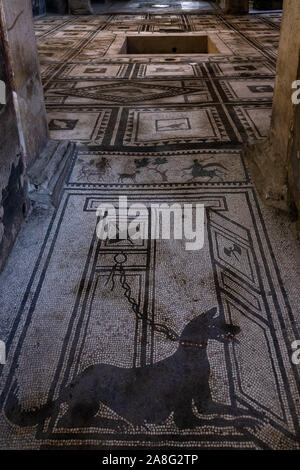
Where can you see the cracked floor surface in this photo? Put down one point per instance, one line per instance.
(126, 342)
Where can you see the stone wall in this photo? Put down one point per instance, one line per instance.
(294, 157)
(13, 197)
(23, 121)
(276, 162)
(24, 61)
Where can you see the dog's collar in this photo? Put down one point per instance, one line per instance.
(192, 344)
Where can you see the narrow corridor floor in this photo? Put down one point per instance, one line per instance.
(141, 343)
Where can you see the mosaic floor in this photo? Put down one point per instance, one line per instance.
(131, 343)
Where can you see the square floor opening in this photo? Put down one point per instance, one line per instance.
(169, 44)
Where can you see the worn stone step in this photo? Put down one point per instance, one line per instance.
(47, 175)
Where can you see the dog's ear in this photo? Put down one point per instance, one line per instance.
(209, 315)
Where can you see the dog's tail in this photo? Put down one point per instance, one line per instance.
(16, 415)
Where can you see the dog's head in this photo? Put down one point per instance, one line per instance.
(207, 326)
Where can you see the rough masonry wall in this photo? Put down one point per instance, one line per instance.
(12, 171)
(17, 25)
(275, 162)
(294, 161)
(23, 121)
(285, 123)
